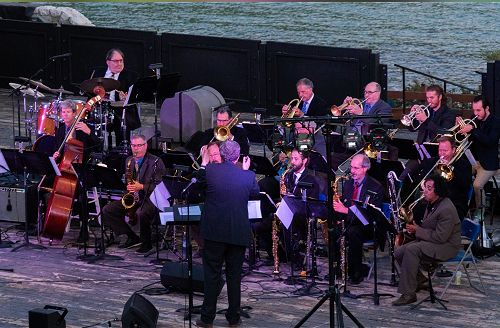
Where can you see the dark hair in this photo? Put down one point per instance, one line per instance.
(447, 138)
(440, 187)
(438, 90)
(225, 109)
(111, 51)
(305, 81)
(483, 99)
(303, 153)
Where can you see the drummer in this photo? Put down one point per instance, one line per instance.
(115, 61)
(82, 131)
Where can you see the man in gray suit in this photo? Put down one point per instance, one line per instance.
(147, 171)
(225, 229)
(438, 237)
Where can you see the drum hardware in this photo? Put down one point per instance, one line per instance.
(99, 82)
(36, 84)
(27, 90)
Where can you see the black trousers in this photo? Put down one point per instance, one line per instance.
(357, 234)
(113, 215)
(214, 255)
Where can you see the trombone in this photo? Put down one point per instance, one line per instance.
(408, 119)
(341, 110)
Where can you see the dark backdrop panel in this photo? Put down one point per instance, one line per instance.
(495, 99)
(335, 72)
(26, 47)
(89, 46)
(228, 65)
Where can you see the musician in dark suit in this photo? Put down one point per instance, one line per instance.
(458, 187)
(147, 170)
(358, 188)
(438, 238)
(440, 116)
(373, 105)
(82, 131)
(225, 229)
(484, 147)
(115, 61)
(299, 173)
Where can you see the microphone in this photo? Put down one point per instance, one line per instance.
(68, 54)
(193, 181)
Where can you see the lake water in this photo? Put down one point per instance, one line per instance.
(443, 39)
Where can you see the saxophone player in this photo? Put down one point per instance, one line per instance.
(149, 170)
(354, 189)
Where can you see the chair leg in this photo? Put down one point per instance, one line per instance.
(432, 295)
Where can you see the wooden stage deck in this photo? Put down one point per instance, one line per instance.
(96, 293)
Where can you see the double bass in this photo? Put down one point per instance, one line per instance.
(60, 202)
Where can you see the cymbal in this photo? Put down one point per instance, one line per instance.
(40, 85)
(61, 90)
(107, 84)
(27, 91)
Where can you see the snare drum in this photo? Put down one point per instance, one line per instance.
(45, 144)
(46, 123)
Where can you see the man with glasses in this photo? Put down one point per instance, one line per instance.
(437, 239)
(147, 171)
(115, 69)
(358, 188)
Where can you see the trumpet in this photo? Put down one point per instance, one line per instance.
(341, 110)
(408, 119)
(290, 110)
(459, 137)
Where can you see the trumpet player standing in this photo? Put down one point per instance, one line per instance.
(148, 170)
(485, 145)
(440, 116)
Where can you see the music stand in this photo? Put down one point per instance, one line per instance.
(262, 165)
(24, 163)
(406, 148)
(366, 214)
(99, 177)
(257, 134)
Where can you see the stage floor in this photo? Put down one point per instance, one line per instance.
(96, 293)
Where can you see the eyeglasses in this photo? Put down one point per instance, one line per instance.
(370, 92)
(116, 61)
(137, 145)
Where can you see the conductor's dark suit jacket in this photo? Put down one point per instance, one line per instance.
(442, 119)
(225, 215)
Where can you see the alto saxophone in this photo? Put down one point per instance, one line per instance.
(130, 199)
(274, 231)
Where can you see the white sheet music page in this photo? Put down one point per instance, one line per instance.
(285, 214)
(159, 197)
(254, 209)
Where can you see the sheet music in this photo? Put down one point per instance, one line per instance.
(54, 166)
(125, 103)
(285, 214)
(3, 164)
(167, 216)
(254, 210)
(470, 157)
(193, 210)
(159, 197)
(358, 214)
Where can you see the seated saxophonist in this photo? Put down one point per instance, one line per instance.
(146, 171)
(354, 189)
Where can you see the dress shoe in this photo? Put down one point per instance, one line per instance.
(201, 323)
(131, 242)
(405, 299)
(236, 324)
(144, 248)
(356, 280)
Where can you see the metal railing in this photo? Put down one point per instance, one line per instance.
(444, 81)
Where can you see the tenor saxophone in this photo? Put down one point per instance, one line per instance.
(130, 199)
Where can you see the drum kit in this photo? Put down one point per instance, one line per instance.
(43, 118)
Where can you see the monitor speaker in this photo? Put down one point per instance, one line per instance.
(139, 312)
(174, 275)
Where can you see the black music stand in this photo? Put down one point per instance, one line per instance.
(262, 165)
(175, 159)
(366, 214)
(24, 163)
(258, 133)
(310, 208)
(406, 148)
(102, 178)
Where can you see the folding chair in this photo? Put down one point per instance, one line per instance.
(471, 231)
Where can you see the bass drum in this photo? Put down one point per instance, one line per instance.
(45, 144)
(197, 104)
(46, 122)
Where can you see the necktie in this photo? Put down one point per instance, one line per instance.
(304, 107)
(367, 109)
(355, 192)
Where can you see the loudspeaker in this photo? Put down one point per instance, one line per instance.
(48, 317)
(139, 312)
(12, 204)
(175, 275)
